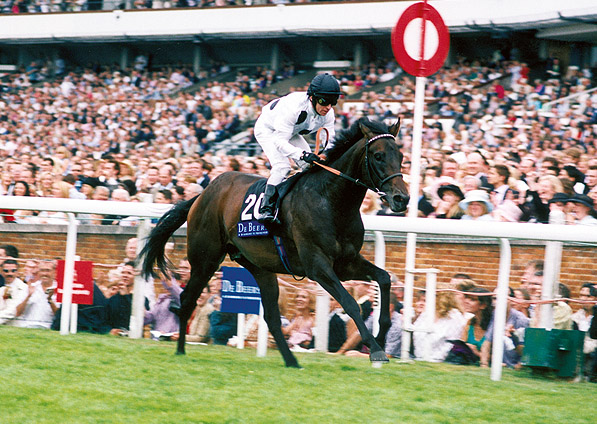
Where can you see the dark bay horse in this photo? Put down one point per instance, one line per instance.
(321, 229)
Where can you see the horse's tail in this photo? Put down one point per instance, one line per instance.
(153, 251)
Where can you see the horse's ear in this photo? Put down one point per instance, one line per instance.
(366, 131)
(395, 128)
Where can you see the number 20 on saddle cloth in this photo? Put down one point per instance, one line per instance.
(248, 224)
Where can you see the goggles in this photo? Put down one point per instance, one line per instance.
(326, 101)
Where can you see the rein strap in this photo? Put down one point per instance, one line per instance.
(348, 177)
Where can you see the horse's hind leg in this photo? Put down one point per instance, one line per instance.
(202, 269)
(268, 286)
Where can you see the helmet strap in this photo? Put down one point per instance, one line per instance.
(314, 103)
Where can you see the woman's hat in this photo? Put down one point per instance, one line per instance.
(583, 199)
(476, 196)
(559, 197)
(509, 211)
(449, 187)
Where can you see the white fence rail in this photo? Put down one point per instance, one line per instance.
(498, 230)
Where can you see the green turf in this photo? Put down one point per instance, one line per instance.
(83, 378)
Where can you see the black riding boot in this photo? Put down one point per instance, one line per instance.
(267, 210)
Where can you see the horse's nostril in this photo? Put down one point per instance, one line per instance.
(401, 198)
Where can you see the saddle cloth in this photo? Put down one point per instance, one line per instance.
(247, 225)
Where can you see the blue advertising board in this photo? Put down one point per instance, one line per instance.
(240, 293)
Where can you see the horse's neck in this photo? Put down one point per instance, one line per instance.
(352, 162)
(346, 190)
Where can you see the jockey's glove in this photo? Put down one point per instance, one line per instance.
(310, 157)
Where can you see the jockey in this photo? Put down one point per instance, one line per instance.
(280, 127)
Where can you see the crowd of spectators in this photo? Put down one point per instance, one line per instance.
(58, 6)
(495, 145)
(502, 142)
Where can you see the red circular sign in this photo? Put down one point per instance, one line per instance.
(418, 66)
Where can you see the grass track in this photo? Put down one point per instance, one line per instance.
(84, 378)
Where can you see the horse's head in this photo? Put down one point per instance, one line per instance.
(383, 161)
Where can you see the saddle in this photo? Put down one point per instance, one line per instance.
(248, 226)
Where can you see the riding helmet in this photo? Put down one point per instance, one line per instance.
(324, 85)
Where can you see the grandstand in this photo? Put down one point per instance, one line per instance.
(269, 35)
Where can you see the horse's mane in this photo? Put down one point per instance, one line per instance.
(345, 139)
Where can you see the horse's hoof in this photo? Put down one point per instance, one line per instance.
(378, 357)
(179, 352)
(294, 365)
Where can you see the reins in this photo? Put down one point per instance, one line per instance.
(348, 177)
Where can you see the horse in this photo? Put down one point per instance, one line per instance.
(321, 230)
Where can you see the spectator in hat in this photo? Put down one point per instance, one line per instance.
(582, 210)
(477, 206)
(507, 212)
(558, 208)
(88, 186)
(448, 207)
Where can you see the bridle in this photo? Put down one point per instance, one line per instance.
(376, 187)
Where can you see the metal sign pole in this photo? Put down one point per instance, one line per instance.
(413, 208)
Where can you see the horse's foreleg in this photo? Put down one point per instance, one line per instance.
(322, 272)
(364, 270)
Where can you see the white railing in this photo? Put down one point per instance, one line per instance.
(68, 315)
(499, 230)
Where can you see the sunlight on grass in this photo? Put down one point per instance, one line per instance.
(86, 378)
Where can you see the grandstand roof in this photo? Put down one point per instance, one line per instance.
(573, 20)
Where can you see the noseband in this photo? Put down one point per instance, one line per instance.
(370, 172)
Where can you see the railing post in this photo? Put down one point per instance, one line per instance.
(408, 311)
(551, 272)
(430, 295)
(261, 334)
(69, 268)
(138, 308)
(427, 326)
(241, 321)
(322, 320)
(380, 262)
(501, 310)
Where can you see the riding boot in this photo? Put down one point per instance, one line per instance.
(267, 210)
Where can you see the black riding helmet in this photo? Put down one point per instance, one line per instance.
(326, 87)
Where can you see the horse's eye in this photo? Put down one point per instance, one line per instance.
(379, 156)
